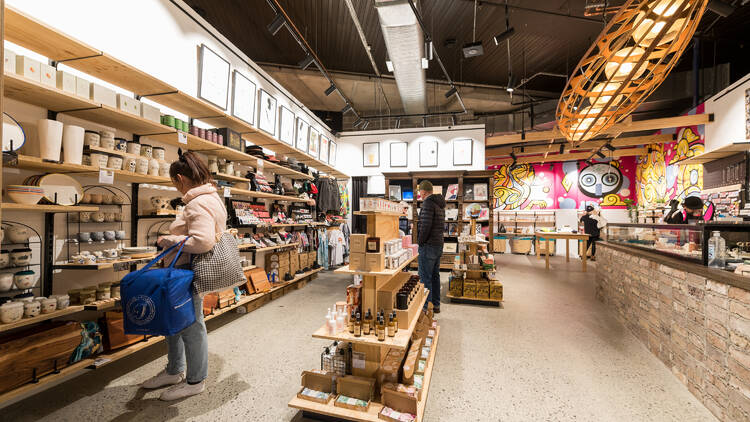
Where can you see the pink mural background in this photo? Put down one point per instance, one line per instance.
(566, 185)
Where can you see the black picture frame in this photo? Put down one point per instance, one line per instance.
(364, 161)
(406, 156)
(471, 151)
(235, 75)
(274, 107)
(201, 58)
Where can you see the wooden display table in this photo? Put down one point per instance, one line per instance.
(562, 236)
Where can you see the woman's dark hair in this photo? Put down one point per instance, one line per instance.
(191, 166)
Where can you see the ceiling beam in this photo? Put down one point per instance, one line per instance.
(565, 157)
(586, 146)
(627, 126)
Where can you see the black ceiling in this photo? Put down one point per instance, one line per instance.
(550, 36)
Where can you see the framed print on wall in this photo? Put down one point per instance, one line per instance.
(301, 133)
(313, 145)
(286, 126)
(243, 97)
(267, 113)
(428, 154)
(332, 153)
(462, 152)
(213, 77)
(323, 149)
(371, 154)
(399, 156)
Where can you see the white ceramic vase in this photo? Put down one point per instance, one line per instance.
(50, 139)
(72, 141)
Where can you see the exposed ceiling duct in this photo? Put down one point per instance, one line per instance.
(405, 43)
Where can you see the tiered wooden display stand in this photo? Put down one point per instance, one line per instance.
(473, 274)
(385, 226)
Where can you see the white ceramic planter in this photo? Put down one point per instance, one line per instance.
(72, 141)
(11, 312)
(50, 139)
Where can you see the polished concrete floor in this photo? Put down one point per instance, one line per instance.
(551, 353)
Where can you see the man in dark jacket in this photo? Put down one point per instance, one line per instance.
(430, 240)
(591, 228)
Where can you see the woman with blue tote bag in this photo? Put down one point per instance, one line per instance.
(215, 262)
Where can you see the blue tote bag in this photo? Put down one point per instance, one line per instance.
(160, 301)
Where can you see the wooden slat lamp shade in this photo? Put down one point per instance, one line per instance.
(630, 59)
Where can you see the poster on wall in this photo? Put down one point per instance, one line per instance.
(243, 97)
(314, 143)
(428, 154)
(301, 134)
(286, 126)
(371, 154)
(462, 152)
(213, 78)
(332, 153)
(399, 156)
(323, 149)
(267, 113)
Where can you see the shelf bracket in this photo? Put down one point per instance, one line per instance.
(48, 252)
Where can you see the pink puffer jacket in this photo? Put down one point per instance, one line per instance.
(203, 218)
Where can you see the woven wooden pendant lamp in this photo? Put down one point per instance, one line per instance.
(629, 60)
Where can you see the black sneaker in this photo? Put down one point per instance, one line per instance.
(436, 310)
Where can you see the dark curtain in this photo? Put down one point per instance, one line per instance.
(359, 189)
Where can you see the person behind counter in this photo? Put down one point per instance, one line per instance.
(691, 212)
(592, 223)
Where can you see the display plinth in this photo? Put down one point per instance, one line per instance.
(371, 415)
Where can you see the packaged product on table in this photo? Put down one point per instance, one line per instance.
(389, 414)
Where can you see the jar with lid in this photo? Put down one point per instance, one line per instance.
(103, 293)
(75, 296)
(87, 296)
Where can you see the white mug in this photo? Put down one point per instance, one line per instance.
(72, 141)
(130, 164)
(50, 139)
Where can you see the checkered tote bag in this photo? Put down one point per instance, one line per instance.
(218, 269)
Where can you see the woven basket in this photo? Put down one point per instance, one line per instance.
(521, 245)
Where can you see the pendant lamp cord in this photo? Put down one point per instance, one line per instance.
(474, 33)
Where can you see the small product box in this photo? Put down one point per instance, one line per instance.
(375, 261)
(28, 68)
(66, 81)
(483, 289)
(128, 104)
(398, 405)
(83, 87)
(316, 387)
(232, 139)
(103, 95)
(496, 290)
(150, 112)
(470, 288)
(48, 75)
(357, 261)
(10, 61)
(357, 243)
(354, 393)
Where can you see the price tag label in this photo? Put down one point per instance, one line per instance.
(182, 137)
(227, 192)
(106, 177)
(358, 360)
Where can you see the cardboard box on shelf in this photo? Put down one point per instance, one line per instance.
(359, 388)
(150, 112)
(66, 81)
(358, 261)
(456, 286)
(294, 262)
(496, 290)
(312, 256)
(83, 87)
(28, 68)
(470, 288)
(128, 104)
(302, 260)
(386, 294)
(317, 382)
(48, 75)
(375, 261)
(10, 61)
(483, 289)
(399, 401)
(104, 95)
(357, 243)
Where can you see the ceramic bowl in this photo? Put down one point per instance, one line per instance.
(63, 301)
(11, 312)
(84, 216)
(6, 281)
(95, 198)
(107, 198)
(20, 257)
(84, 236)
(97, 216)
(110, 217)
(49, 305)
(24, 279)
(109, 235)
(118, 200)
(32, 309)
(23, 194)
(4, 258)
(17, 234)
(120, 234)
(97, 236)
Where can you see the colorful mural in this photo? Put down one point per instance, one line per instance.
(563, 185)
(659, 175)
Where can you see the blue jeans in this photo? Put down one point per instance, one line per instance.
(190, 344)
(429, 271)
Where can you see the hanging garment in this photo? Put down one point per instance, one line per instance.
(336, 241)
(344, 227)
(322, 248)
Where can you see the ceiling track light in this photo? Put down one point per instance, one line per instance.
(600, 154)
(450, 92)
(330, 89)
(562, 148)
(398, 123)
(503, 35)
(306, 62)
(357, 122)
(365, 124)
(346, 108)
(424, 121)
(609, 146)
(276, 24)
(453, 119)
(511, 83)
(389, 65)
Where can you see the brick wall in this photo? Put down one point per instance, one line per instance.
(699, 328)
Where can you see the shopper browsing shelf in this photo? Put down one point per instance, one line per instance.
(593, 222)
(203, 219)
(692, 211)
(430, 240)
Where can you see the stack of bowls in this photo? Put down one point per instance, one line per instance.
(25, 194)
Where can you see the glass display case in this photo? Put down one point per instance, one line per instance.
(678, 240)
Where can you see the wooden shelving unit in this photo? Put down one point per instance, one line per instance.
(385, 273)
(23, 322)
(102, 265)
(255, 194)
(251, 248)
(11, 206)
(35, 163)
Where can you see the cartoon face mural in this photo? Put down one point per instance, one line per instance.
(599, 180)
